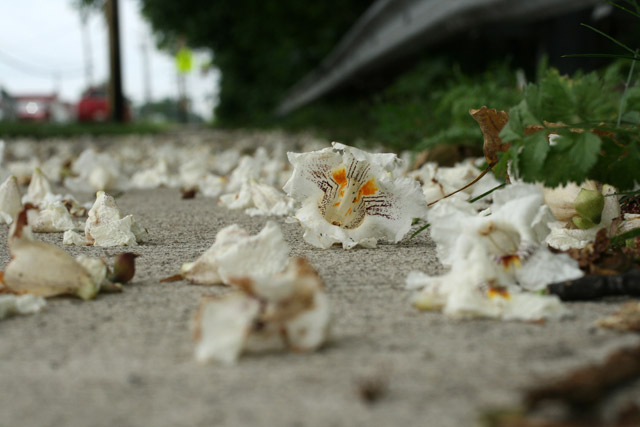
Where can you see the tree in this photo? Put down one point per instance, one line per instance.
(261, 47)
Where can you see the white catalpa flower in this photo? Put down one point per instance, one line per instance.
(10, 200)
(287, 310)
(352, 197)
(476, 291)
(235, 253)
(20, 304)
(494, 259)
(258, 199)
(564, 236)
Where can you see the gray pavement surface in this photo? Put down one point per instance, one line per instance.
(127, 359)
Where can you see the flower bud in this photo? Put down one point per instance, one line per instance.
(589, 205)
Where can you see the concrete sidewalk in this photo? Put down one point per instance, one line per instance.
(127, 359)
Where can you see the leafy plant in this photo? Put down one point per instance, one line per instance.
(572, 129)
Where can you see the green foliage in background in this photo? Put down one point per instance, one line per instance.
(596, 120)
(261, 47)
(430, 104)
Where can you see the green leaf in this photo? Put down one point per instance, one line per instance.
(621, 238)
(420, 230)
(534, 153)
(513, 130)
(637, 15)
(619, 43)
(486, 193)
(585, 151)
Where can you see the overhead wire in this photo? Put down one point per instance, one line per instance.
(36, 70)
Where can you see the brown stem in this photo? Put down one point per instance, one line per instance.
(483, 173)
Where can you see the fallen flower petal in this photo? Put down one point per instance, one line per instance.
(70, 237)
(20, 304)
(352, 197)
(222, 325)
(106, 228)
(289, 309)
(43, 269)
(258, 199)
(237, 254)
(10, 200)
(55, 217)
(95, 171)
(38, 188)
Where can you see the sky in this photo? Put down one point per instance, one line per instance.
(41, 51)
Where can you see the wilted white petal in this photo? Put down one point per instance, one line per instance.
(106, 228)
(43, 269)
(212, 185)
(438, 181)
(39, 187)
(349, 196)
(95, 171)
(532, 307)
(238, 200)
(154, 177)
(309, 330)
(20, 304)
(96, 268)
(258, 199)
(289, 309)
(249, 168)
(226, 161)
(237, 254)
(70, 237)
(466, 294)
(222, 325)
(543, 267)
(10, 200)
(192, 171)
(52, 219)
(630, 222)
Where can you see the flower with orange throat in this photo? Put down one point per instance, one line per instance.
(352, 197)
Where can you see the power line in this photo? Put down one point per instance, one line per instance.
(36, 70)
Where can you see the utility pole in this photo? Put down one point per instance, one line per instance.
(146, 72)
(116, 99)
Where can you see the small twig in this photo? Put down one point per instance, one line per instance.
(483, 173)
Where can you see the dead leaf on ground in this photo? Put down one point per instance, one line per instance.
(589, 386)
(627, 318)
(491, 122)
